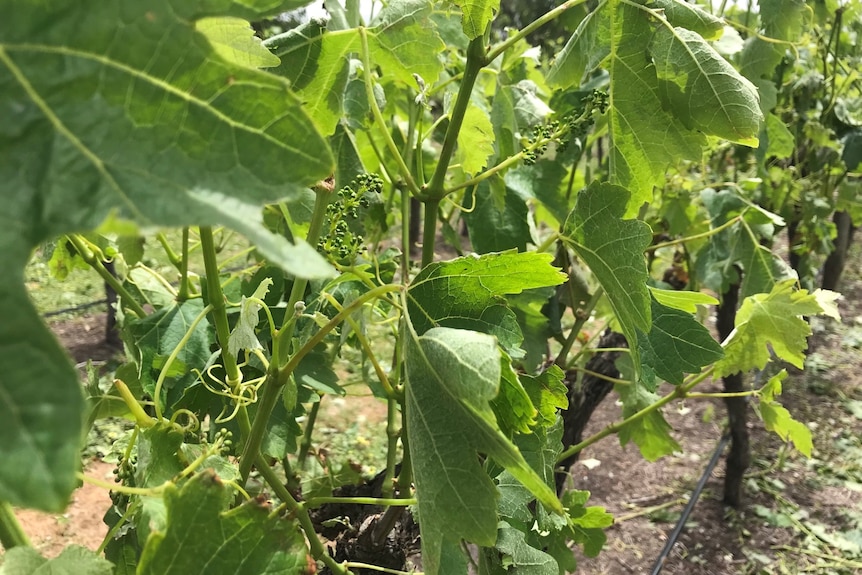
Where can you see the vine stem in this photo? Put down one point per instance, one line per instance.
(576, 328)
(300, 511)
(403, 170)
(183, 293)
(699, 236)
(278, 377)
(429, 231)
(679, 393)
(89, 256)
(532, 27)
(11, 532)
(216, 301)
(318, 501)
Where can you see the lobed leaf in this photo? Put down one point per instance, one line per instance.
(73, 560)
(613, 249)
(771, 321)
(475, 140)
(777, 419)
(690, 16)
(452, 376)
(127, 121)
(202, 536)
(704, 91)
(467, 292)
(476, 15)
(676, 344)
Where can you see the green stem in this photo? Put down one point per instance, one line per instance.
(282, 340)
(403, 170)
(392, 435)
(722, 394)
(89, 256)
(169, 251)
(278, 377)
(318, 501)
(309, 430)
(360, 565)
(184, 291)
(429, 231)
(216, 301)
(475, 62)
(699, 236)
(614, 380)
(576, 328)
(268, 398)
(300, 511)
(532, 27)
(679, 392)
(11, 533)
(510, 161)
(130, 510)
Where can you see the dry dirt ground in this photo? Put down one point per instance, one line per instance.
(791, 516)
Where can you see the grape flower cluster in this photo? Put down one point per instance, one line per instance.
(574, 127)
(339, 242)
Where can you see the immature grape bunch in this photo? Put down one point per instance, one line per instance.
(339, 242)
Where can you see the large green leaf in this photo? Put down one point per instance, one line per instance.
(475, 140)
(73, 560)
(677, 344)
(403, 42)
(689, 70)
(651, 433)
(498, 219)
(476, 15)
(133, 120)
(233, 39)
(739, 246)
(773, 323)
(467, 292)
(663, 105)
(452, 376)
(613, 248)
(203, 537)
(690, 16)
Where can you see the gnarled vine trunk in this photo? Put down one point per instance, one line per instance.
(834, 265)
(586, 395)
(739, 457)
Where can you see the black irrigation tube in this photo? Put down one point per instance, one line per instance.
(83, 306)
(695, 495)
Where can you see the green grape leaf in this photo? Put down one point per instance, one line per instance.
(404, 42)
(677, 344)
(468, 293)
(452, 376)
(512, 407)
(682, 300)
(476, 15)
(690, 16)
(585, 51)
(493, 227)
(780, 142)
(690, 70)
(664, 105)
(475, 140)
(202, 535)
(73, 560)
(646, 137)
(778, 420)
(548, 392)
(651, 433)
(157, 335)
(541, 181)
(613, 249)
(739, 245)
(233, 39)
(771, 321)
(521, 558)
(128, 128)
